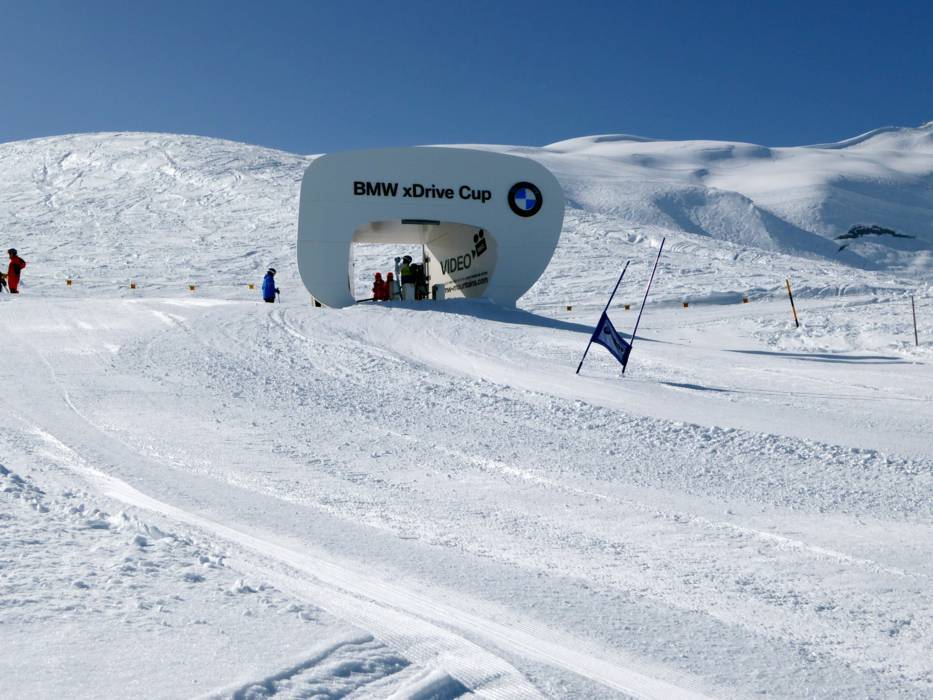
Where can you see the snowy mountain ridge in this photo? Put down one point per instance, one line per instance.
(228, 209)
(793, 199)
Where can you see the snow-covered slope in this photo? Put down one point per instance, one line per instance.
(162, 208)
(148, 207)
(205, 495)
(787, 199)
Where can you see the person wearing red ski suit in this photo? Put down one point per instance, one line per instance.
(16, 266)
(380, 289)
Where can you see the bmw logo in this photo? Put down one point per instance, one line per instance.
(525, 199)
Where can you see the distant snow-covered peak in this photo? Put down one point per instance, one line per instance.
(903, 138)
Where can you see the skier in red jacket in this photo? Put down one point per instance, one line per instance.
(16, 266)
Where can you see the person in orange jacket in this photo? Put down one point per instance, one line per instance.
(16, 266)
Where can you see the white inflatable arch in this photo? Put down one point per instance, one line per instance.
(489, 222)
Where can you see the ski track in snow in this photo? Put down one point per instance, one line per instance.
(611, 538)
(97, 576)
(376, 606)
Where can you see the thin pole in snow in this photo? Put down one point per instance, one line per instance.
(644, 301)
(792, 307)
(913, 310)
(614, 289)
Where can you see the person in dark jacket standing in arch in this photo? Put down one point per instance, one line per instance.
(269, 290)
(16, 267)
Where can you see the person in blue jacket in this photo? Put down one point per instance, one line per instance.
(269, 290)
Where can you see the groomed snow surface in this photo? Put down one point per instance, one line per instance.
(202, 495)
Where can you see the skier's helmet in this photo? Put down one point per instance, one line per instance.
(271, 270)
(12, 251)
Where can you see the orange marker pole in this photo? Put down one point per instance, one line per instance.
(792, 307)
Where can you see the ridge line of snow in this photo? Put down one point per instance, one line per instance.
(855, 140)
(153, 134)
(599, 138)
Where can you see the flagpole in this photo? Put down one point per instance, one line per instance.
(644, 301)
(614, 289)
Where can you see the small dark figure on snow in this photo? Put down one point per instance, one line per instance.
(2, 281)
(269, 290)
(16, 267)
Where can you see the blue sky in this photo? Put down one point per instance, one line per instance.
(312, 77)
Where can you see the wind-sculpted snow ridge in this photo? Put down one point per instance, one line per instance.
(783, 199)
(889, 138)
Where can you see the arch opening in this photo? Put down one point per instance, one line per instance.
(460, 258)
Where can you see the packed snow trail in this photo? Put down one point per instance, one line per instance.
(394, 614)
(375, 605)
(91, 598)
(512, 514)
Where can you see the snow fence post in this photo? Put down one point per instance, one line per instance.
(913, 311)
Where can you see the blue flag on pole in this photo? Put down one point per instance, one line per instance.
(605, 333)
(607, 336)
